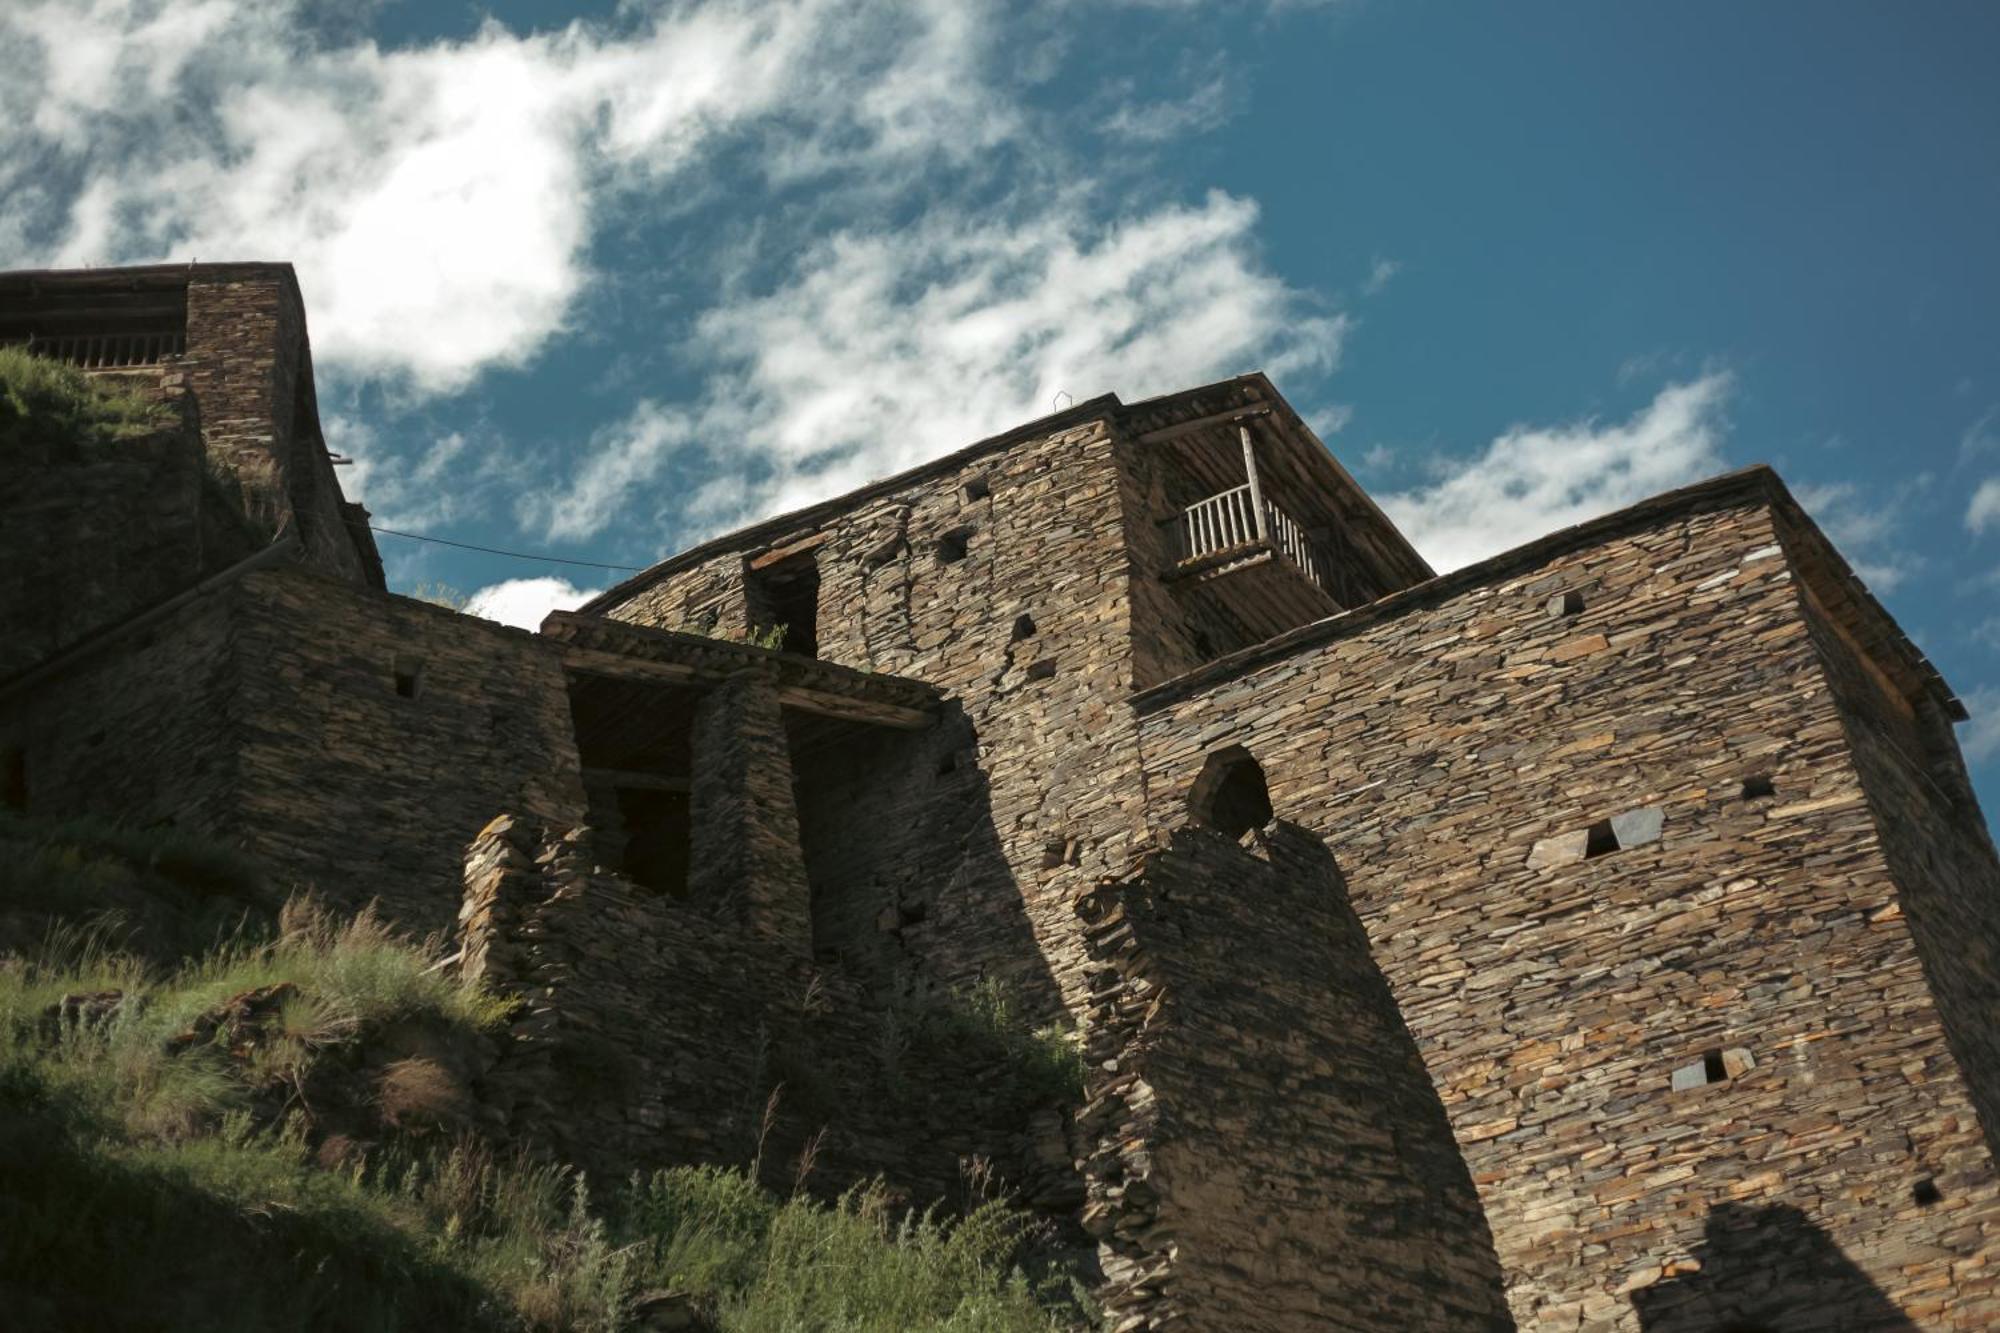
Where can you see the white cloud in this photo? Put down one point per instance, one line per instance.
(1379, 275)
(524, 602)
(1207, 107)
(1982, 436)
(1533, 480)
(429, 486)
(879, 351)
(1984, 510)
(1981, 737)
(438, 200)
(615, 462)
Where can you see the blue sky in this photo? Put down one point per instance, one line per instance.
(599, 281)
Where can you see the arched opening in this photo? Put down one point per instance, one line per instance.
(1230, 796)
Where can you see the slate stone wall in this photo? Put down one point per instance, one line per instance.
(746, 862)
(146, 735)
(874, 897)
(1268, 1152)
(656, 1031)
(363, 790)
(249, 366)
(91, 536)
(268, 714)
(1938, 853)
(1028, 630)
(1458, 750)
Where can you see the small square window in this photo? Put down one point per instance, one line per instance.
(952, 546)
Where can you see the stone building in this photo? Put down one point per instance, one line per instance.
(1601, 936)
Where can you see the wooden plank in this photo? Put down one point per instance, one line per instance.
(597, 662)
(1229, 418)
(779, 554)
(1256, 488)
(821, 703)
(838, 706)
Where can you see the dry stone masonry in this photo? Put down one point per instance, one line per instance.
(1601, 937)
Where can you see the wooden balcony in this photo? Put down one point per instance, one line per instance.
(1228, 528)
(1257, 569)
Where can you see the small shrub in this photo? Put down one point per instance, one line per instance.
(419, 1092)
(439, 594)
(369, 973)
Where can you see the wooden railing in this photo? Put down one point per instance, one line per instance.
(108, 351)
(1228, 522)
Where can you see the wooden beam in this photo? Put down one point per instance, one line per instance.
(778, 554)
(1261, 523)
(804, 698)
(597, 662)
(820, 703)
(1232, 417)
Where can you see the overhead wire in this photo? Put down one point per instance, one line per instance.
(517, 555)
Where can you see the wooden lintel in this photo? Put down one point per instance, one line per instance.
(623, 777)
(846, 709)
(1229, 418)
(597, 662)
(779, 554)
(804, 698)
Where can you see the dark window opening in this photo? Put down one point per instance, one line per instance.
(1758, 787)
(1714, 1066)
(1230, 795)
(409, 675)
(1567, 603)
(978, 488)
(710, 618)
(952, 546)
(1925, 1192)
(784, 604)
(658, 835)
(14, 778)
(1600, 841)
(1024, 627)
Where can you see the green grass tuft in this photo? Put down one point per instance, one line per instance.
(976, 1031)
(49, 406)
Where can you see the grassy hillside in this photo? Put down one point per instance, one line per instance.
(279, 1133)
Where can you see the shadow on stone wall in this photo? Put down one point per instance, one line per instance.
(1269, 1151)
(1767, 1270)
(908, 877)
